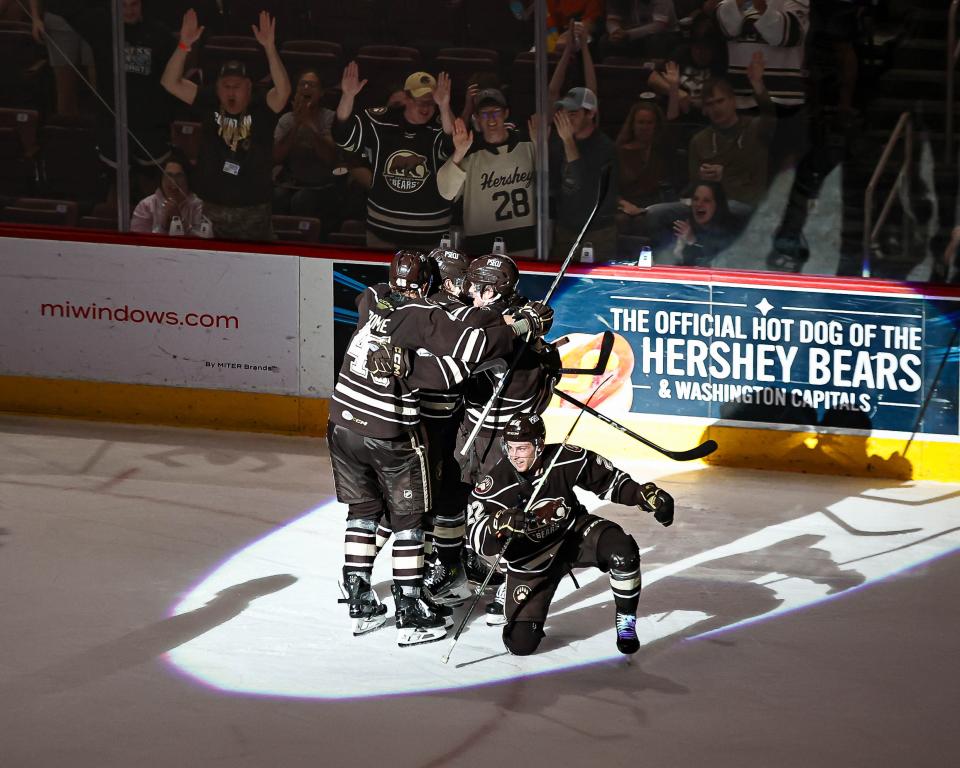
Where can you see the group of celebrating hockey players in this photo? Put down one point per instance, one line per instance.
(409, 438)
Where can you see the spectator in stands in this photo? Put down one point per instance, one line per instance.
(235, 166)
(148, 45)
(641, 28)
(708, 230)
(646, 158)
(404, 206)
(53, 23)
(304, 149)
(580, 156)
(173, 198)
(703, 58)
(496, 177)
(733, 150)
(777, 29)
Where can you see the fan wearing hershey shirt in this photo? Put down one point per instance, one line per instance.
(542, 544)
(376, 450)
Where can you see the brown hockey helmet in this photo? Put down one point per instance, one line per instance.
(496, 270)
(451, 264)
(411, 270)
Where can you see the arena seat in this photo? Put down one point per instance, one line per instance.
(304, 229)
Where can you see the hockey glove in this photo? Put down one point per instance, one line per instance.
(658, 501)
(384, 359)
(536, 318)
(506, 522)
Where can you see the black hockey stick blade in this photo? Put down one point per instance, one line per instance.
(698, 452)
(606, 347)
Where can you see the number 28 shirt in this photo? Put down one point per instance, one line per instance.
(498, 184)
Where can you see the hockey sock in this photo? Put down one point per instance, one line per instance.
(428, 537)
(383, 535)
(408, 560)
(617, 552)
(359, 547)
(448, 532)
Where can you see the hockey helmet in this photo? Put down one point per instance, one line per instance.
(411, 270)
(451, 265)
(497, 271)
(525, 428)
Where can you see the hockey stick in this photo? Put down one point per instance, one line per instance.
(498, 388)
(704, 449)
(503, 549)
(606, 347)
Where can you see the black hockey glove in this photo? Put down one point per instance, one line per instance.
(658, 501)
(384, 359)
(506, 522)
(536, 317)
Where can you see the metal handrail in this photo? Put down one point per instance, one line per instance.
(903, 128)
(953, 53)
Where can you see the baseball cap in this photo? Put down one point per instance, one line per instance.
(233, 68)
(578, 98)
(420, 84)
(488, 96)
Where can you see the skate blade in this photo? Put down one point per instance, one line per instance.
(496, 620)
(419, 636)
(365, 625)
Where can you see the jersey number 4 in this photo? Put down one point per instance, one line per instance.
(514, 203)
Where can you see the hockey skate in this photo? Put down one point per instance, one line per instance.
(495, 614)
(417, 621)
(627, 641)
(366, 610)
(476, 570)
(444, 611)
(445, 583)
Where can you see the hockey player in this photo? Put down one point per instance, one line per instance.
(556, 533)
(442, 411)
(492, 282)
(376, 449)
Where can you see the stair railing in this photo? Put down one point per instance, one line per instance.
(903, 129)
(953, 53)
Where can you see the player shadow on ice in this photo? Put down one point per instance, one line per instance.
(148, 643)
(725, 590)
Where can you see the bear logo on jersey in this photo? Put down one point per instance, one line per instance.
(521, 593)
(405, 171)
(485, 484)
(545, 518)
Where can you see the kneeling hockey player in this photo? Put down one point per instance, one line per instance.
(543, 543)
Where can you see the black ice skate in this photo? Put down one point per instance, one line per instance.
(495, 614)
(417, 621)
(366, 610)
(446, 583)
(476, 570)
(445, 611)
(627, 641)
